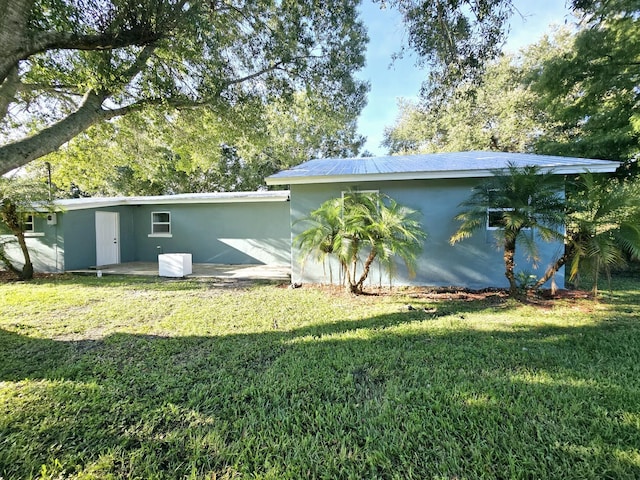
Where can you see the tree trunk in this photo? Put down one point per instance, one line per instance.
(13, 22)
(552, 270)
(367, 267)
(352, 285)
(346, 272)
(27, 269)
(17, 154)
(596, 274)
(509, 266)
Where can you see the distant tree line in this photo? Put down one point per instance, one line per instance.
(574, 93)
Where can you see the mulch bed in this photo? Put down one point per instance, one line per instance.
(494, 295)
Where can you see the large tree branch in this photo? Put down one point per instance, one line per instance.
(17, 154)
(137, 66)
(13, 85)
(57, 89)
(175, 102)
(270, 68)
(105, 41)
(20, 44)
(69, 41)
(89, 112)
(253, 75)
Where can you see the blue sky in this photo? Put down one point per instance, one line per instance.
(403, 79)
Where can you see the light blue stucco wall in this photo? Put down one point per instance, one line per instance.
(227, 233)
(473, 263)
(70, 243)
(79, 229)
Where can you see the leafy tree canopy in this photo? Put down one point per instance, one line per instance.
(603, 226)
(156, 153)
(497, 114)
(457, 38)
(572, 93)
(588, 90)
(454, 38)
(69, 64)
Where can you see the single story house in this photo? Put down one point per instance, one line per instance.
(259, 227)
(223, 228)
(435, 185)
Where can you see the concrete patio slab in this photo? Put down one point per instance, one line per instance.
(200, 270)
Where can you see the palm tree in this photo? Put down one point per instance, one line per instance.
(321, 237)
(523, 202)
(368, 226)
(603, 227)
(399, 234)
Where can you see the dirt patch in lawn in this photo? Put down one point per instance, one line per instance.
(438, 294)
(497, 295)
(7, 277)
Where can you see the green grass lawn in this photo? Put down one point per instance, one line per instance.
(137, 378)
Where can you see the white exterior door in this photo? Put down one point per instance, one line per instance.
(107, 238)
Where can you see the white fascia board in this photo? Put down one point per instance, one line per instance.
(609, 167)
(280, 196)
(80, 204)
(248, 197)
(605, 167)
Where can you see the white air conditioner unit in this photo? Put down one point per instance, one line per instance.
(52, 219)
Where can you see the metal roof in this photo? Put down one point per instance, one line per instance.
(217, 197)
(433, 165)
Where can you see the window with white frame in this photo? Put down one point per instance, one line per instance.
(495, 218)
(29, 223)
(161, 224)
(352, 195)
(495, 213)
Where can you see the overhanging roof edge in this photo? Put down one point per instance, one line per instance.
(605, 167)
(102, 202)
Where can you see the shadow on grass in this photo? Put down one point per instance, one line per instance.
(148, 282)
(352, 399)
(111, 281)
